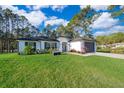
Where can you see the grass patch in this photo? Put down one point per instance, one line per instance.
(46, 70)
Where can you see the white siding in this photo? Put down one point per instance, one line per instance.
(21, 46)
(63, 39)
(38, 46)
(42, 45)
(95, 46)
(76, 45)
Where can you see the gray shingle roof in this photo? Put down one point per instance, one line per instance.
(38, 38)
(83, 38)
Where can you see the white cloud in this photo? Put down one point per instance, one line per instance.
(37, 7)
(105, 21)
(29, 7)
(82, 6)
(58, 8)
(99, 7)
(96, 7)
(55, 21)
(34, 17)
(114, 29)
(37, 17)
(121, 6)
(117, 28)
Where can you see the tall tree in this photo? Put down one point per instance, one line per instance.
(47, 31)
(83, 20)
(13, 26)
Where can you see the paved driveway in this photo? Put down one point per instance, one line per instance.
(120, 56)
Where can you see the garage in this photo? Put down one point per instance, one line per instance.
(89, 46)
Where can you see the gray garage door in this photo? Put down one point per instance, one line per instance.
(89, 47)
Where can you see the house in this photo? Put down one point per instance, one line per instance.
(61, 43)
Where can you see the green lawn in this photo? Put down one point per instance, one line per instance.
(60, 71)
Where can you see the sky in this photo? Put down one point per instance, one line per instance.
(55, 15)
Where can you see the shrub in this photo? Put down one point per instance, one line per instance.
(105, 50)
(119, 50)
(72, 50)
(28, 50)
(50, 50)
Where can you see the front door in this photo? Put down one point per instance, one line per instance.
(64, 46)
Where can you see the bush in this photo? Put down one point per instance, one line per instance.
(119, 50)
(105, 50)
(73, 50)
(50, 50)
(28, 50)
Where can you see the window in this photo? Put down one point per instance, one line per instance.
(26, 43)
(47, 45)
(32, 44)
(53, 45)
(50, 45)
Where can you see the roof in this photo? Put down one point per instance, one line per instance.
(62, 36)
(38, 38)
(83, 38)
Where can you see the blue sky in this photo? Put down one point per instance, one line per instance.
(66, 13)
(41, 15)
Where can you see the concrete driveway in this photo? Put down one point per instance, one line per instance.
(120, 56)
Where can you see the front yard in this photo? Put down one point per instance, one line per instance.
(60, 71)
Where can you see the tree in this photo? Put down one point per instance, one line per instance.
(61, 31)
(53, 34)
(110, 39)
(83, 20)
(117, 11)
(13, 26)
(47, 31)
(8, 14)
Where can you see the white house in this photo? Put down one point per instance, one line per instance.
(62, 44)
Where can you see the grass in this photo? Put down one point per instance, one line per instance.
(60, 71)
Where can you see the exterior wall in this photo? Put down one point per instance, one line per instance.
(21, 46)
(95, 46)
(80, 46)
(38, 46)
(63, 39)
(76, 45)
(43, 44)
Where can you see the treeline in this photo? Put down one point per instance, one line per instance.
(13, 26)
(110, 39)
